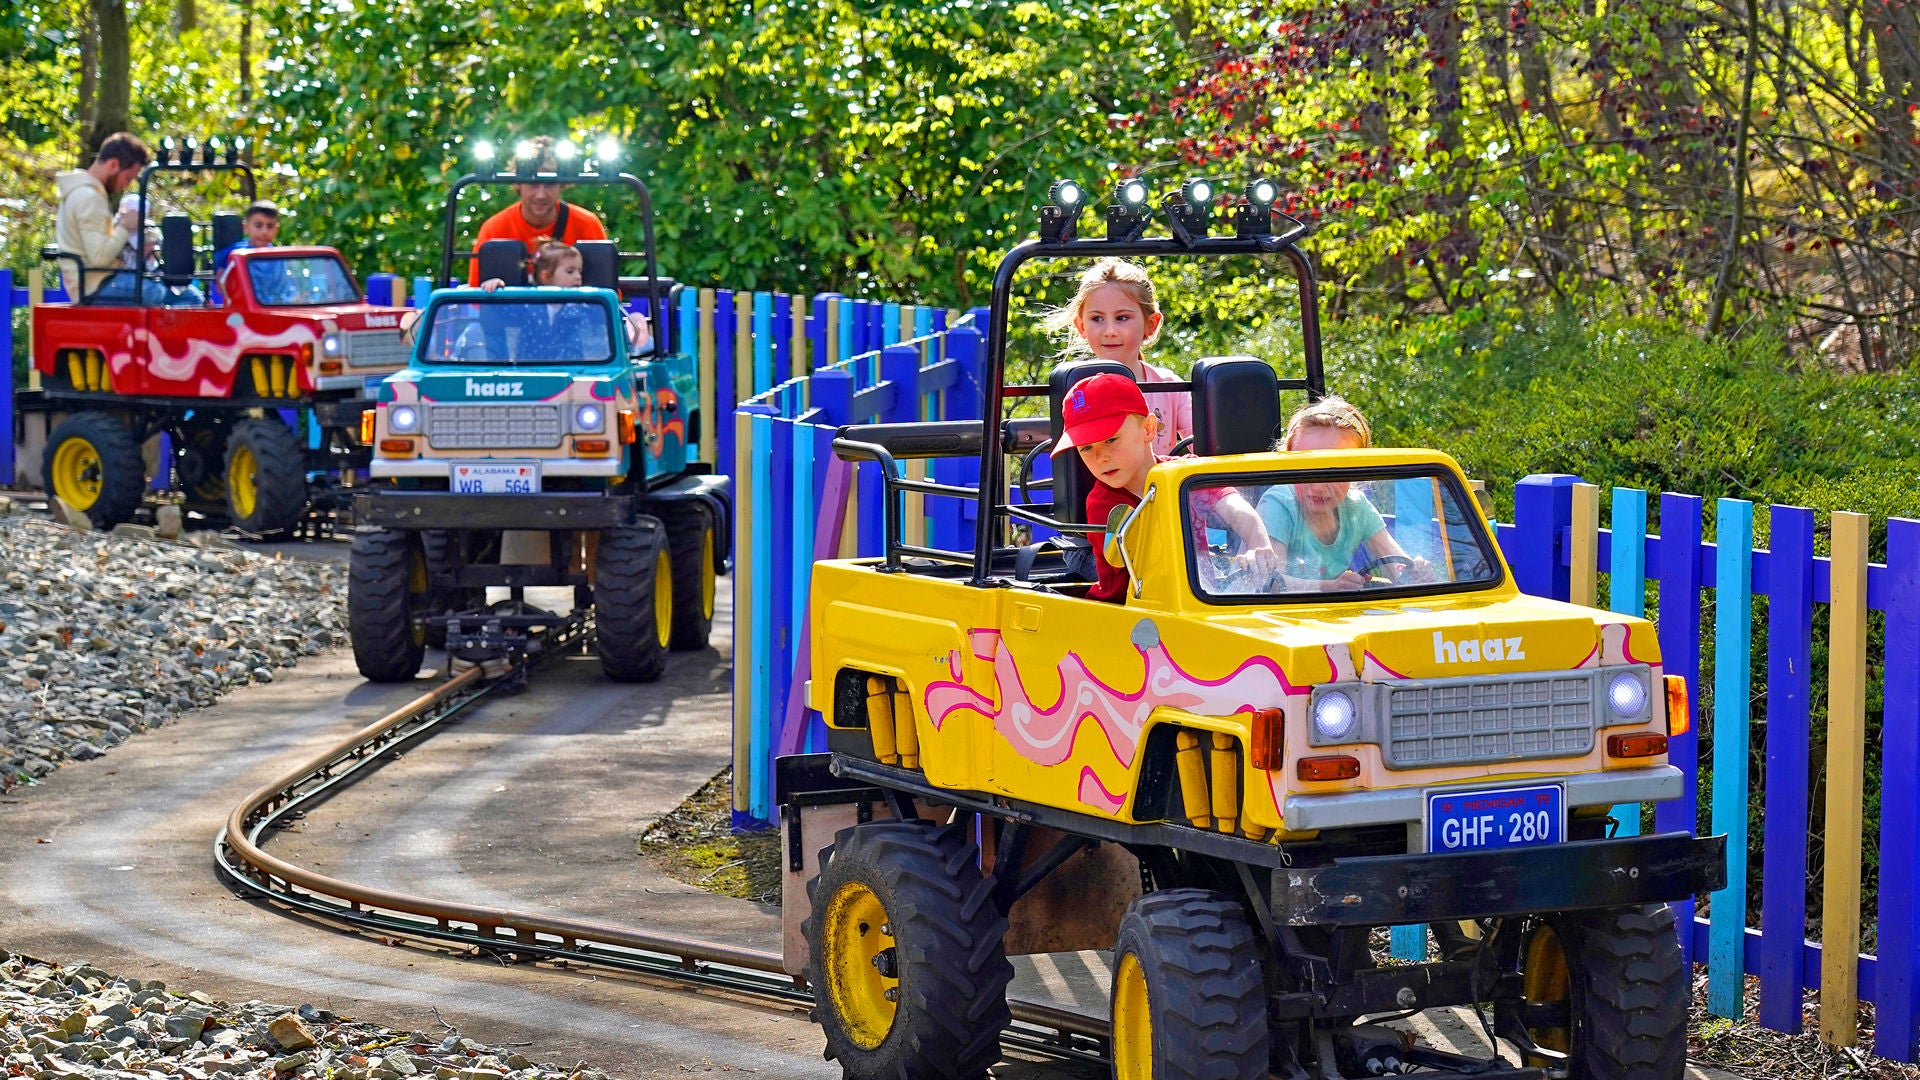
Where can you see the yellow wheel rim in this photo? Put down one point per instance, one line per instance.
(706, 573)
(241, 494)
(1546, 981)
(663, 597)
(857, 942)
(76, 473)
(1132, 1022)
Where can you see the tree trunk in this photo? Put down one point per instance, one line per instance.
(1896, 41)
(246, 51)
(186, 16)
(1728, 277)
(113, 96)
(89, 71)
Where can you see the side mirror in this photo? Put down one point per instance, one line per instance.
(1111, 550)
(409, 322)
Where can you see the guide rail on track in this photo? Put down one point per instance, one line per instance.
(240, 855)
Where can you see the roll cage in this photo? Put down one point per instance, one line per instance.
(993, 438)
(177, 252)
(649, 285)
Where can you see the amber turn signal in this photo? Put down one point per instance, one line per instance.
(1331, 767)
(627, 431)
(366, 428)
(592, 446)
(1269, 750)
(1679, 707)
(396, 446)
(1642, 744)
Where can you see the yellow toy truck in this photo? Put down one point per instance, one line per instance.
(1230, 780)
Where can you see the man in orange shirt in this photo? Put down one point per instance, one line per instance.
(540, 216)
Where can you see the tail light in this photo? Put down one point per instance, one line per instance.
(1331, 767)
(1679, 708)
(1268, 745)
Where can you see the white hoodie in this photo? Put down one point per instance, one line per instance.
(86, 227)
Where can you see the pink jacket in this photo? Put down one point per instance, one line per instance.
(1174, 411)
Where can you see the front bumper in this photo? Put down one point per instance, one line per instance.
(441, 468)
(1351, 809)
(447, 510)
(1390, 890)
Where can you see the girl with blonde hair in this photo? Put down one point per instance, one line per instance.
(1115, 316)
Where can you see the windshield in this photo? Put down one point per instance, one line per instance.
(300, 280)
(1335, 533)
(520, 332)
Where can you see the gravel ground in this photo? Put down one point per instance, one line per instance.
(78, 1021)
(103, 635)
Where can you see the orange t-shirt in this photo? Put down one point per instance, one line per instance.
(508, 224)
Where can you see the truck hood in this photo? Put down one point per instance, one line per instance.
(1450, 637)
(491, 384)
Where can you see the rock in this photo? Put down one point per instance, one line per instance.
(64, 514)
(169, 522)
(185, 1027)
(289, 1033)
(291, 1062)
(137, 532)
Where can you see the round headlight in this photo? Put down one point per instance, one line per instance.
(588, 418)
(1627, 694)
(331, 345)
(403, 418)
(1334, 716)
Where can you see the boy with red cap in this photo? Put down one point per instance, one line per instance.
(1106, 419)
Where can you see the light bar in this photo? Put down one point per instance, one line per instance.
(1060, 218)
(1127, 214)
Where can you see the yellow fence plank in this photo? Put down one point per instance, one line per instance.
(800, 364)
(833, 334)
(1585, 548)
(742, 591)
(36, 295)
(915, 526)
(1846, 782)
(743, 345)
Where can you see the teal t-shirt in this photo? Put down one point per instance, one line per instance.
(1307, 557)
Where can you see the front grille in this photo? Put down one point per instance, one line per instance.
(375, 348)
(1500, 719)
(493, 427)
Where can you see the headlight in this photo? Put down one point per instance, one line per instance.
(1334, 716)
(332, 345)
(1627, 694)
(403, 419)
(589, 418)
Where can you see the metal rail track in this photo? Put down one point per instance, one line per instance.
(240, 855)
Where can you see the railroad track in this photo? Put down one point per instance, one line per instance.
(240, 855)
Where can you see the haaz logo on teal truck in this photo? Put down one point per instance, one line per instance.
(539, 436)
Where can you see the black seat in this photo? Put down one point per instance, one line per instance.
(505, 259)
(599, 264)
(1236, 406)
(1071, 479)
(176, 250)
(227, 230)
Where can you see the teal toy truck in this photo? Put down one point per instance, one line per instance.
(539, 437)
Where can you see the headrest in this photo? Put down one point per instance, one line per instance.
(1236, 405)
(505, 259)
(176, 249)
(599, 264)
(1071, 479)
(226, 229)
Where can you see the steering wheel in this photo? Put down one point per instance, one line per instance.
(1381, 562)
(1025, 475)
(1233, 576)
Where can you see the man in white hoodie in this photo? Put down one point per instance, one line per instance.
(88, 227)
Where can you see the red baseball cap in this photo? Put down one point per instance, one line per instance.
(1096, 407)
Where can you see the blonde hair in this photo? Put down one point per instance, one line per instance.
(1332, 411)
(1132, 279)
(549, 257)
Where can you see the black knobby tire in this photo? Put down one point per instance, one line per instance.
(270, 501)
(200, 464)
(386, 582)
(441, 548)
(112, 479)
(947, 933)
(1205, 1011)
(632, 640)
(1629, 993)
(691, 544)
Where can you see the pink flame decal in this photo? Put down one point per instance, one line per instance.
(1045, 735)
(1095, 793)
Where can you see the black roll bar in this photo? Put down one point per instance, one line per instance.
(992, 467)
(663, 333)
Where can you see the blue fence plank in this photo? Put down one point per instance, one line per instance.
(817, 331)
(780, 509)
(1783, 886)
(806, 501)
(760, 703)
(1732, 678)
(783, 307)
(846, 320)
(1543, 510)
(724, 375)
(6, 392)
(1680, 582)
(762, 342)
(1627, 561)
(1897, 993)
(890, 324)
